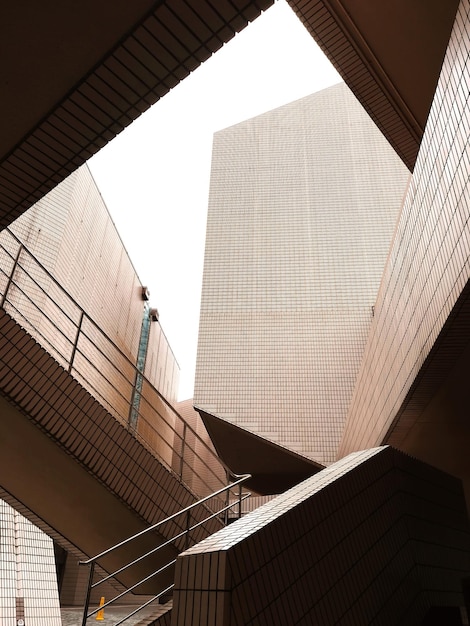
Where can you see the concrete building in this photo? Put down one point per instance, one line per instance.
(378, 537)
(408, 388)
(67, 278)
(28, 572)
(295, 250)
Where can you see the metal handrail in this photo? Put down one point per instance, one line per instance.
(63, 334)
(92, 562)
(240, 479)
(74, 317)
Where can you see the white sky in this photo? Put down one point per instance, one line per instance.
(154, 177)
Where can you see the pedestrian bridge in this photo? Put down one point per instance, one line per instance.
(71, 462)
(88, 456)
(67, 464)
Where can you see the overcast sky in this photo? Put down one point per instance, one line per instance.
(154, 177)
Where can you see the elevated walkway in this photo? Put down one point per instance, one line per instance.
(105, 456)
(67, 464)
(73, 462)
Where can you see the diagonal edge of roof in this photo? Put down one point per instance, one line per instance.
(76, 106)
(390, 55)
(274, 468)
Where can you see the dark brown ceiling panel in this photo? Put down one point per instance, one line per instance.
(273, 467)
(389, 53)
(80, 72)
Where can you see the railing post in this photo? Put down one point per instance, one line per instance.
(182, 532)
(88, 594)
(10, 278)
(227, 499)
(183, 444)
(188, 525)
(239, 501)
(75, 344)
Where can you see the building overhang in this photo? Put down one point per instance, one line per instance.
(75, 74)
(432, 423)
(78, 73)
(389, 53)
(273, 467)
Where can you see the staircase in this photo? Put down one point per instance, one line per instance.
(189, 523)
(66, 391)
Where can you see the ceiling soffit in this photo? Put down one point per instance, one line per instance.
(389, 53)
(78, 74)
(273, 467)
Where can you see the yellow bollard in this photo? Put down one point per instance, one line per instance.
(100, 614)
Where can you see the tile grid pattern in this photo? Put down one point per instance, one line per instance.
(66, 412)
(303, 203)
(27, 570)
(376, 538)
(72, 234)
(170, 41)
(429, 262)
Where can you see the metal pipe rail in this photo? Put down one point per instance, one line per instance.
(31, 294)
(186, 532)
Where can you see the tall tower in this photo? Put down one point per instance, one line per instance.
(303, 204)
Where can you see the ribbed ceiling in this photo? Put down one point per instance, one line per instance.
(390, 55)
(167, 43)
(78, 73)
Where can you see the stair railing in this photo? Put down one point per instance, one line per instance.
(37, 301)
(221, 513)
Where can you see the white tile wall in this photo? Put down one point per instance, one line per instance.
(303, 203)
(28, 587)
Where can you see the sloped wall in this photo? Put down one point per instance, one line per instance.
(377, 538)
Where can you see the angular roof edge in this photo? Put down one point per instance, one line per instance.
(390, 54)
(273, 467)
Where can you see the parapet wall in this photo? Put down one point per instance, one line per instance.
(377, 538)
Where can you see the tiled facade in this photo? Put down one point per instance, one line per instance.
(428, 265)
(303, 204)
(73, 236)
(404, 560)
(83, 302)
(28, 573)
(306, 207)
(377, 538)
(202, 460)
(83, 266)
